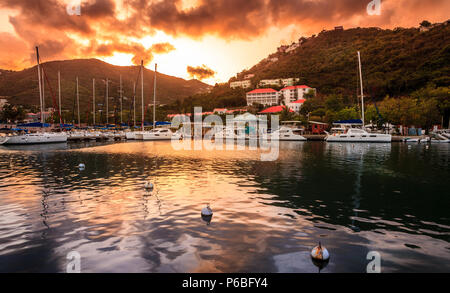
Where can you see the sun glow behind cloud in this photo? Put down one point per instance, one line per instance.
(226, 36)
(226, 58)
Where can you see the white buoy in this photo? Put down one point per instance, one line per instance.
(148, 185)
(320, 253)
(207, 211)
(81, 166)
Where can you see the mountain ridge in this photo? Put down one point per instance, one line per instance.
(21, 87)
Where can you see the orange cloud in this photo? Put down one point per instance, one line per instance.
(200, 72)
(107, 26)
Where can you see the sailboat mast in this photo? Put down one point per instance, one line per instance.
(93, 100)
(59, 97)
(142, 92)
(107, 102)
(121, 108)
(78, 105)
(40, 84)
(43, 93)
(362, 90)
(154, 98)
(134, 104)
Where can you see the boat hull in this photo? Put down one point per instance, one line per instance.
(130, 135)
(3, 140)
(36, 139)
(359, 138)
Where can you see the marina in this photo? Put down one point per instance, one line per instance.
(226, 155)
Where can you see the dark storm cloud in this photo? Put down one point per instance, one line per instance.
(200, 72)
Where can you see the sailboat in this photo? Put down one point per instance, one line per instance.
(40, 137)
(346, 133)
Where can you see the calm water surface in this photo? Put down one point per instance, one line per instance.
(354, 198)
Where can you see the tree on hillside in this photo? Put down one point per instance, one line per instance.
(425, 23)
(10, 113)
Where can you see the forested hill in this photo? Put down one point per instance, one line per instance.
(395, 62)
(21, 87)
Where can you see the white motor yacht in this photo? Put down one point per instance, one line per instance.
(285, 133)
(159, 134)
(356, 135)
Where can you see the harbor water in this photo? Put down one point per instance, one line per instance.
(354, 198)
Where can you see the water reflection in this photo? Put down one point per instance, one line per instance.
(354, 198)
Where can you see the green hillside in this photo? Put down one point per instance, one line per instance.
(395, 62)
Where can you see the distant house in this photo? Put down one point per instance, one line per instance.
(292, 47)
(3, 102)
(262, 96)
(339, 28)
(282, 49)
(249, 76)
(242, 84)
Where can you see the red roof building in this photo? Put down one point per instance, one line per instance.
(267, 97)
(296, 105)
(275, 109)
(291, 94)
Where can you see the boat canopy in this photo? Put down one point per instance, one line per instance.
(19, 130)
(162, 123)
(246, 117)
(66, 125)
(351, 121)
(34, 124)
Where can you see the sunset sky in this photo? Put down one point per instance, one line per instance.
(186, 36)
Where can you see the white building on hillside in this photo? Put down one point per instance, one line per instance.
(278, 82)
(293, 93)
(296, 105)
(267, 97)
(242, 84)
